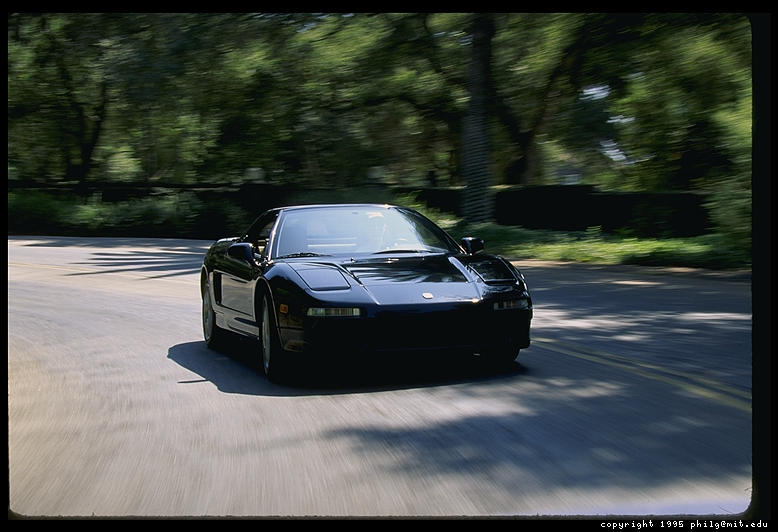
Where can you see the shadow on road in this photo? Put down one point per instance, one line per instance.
(165, 264)
(566, 427)
(235, 369)
(166, 257)
(177, 244)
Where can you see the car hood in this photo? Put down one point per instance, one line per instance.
(410, 280)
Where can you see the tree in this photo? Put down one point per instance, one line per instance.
(68, 62)
(475, 152)
(639, 101)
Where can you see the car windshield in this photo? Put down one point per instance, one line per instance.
(358, 230)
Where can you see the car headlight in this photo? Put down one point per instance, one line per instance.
(512, 304)
(341, 312)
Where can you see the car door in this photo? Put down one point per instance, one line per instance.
(238, 276)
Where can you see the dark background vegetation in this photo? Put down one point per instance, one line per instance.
(621, 130)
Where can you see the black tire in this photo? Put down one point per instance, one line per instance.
(272, 357)
(213, 335)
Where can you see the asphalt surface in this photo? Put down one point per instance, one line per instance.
(634, 399)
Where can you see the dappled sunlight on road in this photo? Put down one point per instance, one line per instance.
(635, 326)
(602, 443)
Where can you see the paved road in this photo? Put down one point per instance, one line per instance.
(634, 399)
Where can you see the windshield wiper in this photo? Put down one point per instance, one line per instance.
(303, 254)
(387, 251)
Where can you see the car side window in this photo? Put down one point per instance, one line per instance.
(259, 234)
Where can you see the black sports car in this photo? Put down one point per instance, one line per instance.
(316, 281)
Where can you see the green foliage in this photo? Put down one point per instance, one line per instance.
(730, 208)
(34, 212)
(624, 101)
(165, 215)
(591, 246)
(714, 252)
(186, 216)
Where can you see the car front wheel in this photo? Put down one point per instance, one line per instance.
(271, 354)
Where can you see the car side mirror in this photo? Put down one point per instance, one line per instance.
(472, 245)
(241, 251)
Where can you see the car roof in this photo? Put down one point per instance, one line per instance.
(338, 205)
(318, 206)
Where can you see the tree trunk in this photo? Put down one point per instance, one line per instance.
(475, 136)
(91, 136)
(528, 166)
(84, 135)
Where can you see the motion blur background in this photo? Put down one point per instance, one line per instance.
(611, 128)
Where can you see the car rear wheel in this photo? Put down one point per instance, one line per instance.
(271, 355)
(214, 336)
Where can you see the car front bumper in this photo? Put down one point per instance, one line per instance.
(474, 328)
